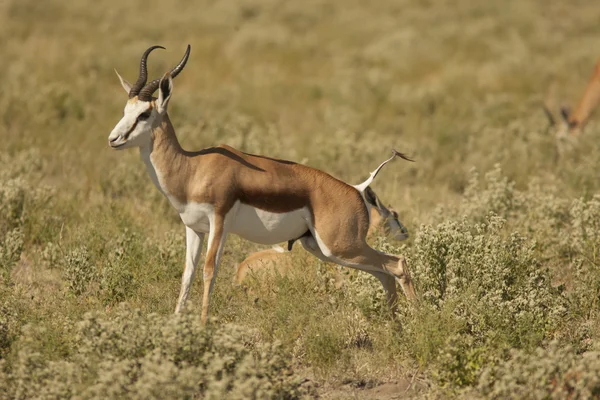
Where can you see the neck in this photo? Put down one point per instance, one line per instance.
(164, 138)
(164, 158)
(375, 221)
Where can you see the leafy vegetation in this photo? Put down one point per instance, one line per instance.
(505, 232)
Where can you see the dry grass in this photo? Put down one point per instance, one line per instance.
(336, 85)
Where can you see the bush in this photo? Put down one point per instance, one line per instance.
(79, 270)
(497, 195)
(482, 291)
(495, 283)
(117, 279)
(554, 372)
(12, 204)
(585, 235)
(11, 246)
(135, 356)
(9, 322)
(20, 194)
(460, 361)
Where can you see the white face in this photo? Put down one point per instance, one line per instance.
(135, 128)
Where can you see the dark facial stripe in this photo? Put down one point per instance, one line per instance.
(136, 122)
(130, 129)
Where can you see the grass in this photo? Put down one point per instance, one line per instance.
(458, 86)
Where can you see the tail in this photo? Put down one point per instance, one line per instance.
(361, 188)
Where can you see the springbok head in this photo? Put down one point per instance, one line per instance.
(143, 111)
(388, 218)
(567, 123)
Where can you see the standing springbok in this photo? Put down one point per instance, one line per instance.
(571, 124)
(381, 218)
(221, 190)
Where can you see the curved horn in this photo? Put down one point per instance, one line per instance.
(150, 88)
(141, 81)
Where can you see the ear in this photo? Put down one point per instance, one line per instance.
(370, 196)
(165, 88)
(126, 85)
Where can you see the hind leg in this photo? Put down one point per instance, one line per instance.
(358, 254)
(387, 279)
(398, 267)
(394, 267)
(310, 244)
(389, 284)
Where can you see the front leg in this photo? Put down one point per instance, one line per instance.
(193, 243)
(216, 242)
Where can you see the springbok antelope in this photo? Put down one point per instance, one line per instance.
(221, 190)
(381, 218)
(571, 123)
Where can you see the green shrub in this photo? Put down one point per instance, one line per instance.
(495, 283)
(52, 255)
(79, 270)
(134, 356)
(11, 246)
(460, 361)
(21, 196)
(585, 235)
(12, 204)
(117, 279)
(496, 194)
(481, 291)
(9, 321)
(555, 372)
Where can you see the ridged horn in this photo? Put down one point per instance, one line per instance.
(148, 90)
(141, 81)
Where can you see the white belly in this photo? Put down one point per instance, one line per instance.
(250, 223)
(266, 227)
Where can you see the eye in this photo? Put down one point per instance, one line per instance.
(144, 116)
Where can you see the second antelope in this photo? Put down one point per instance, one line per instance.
(221, 190)
(571, 123)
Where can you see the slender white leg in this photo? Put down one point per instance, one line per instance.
(193, 242)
